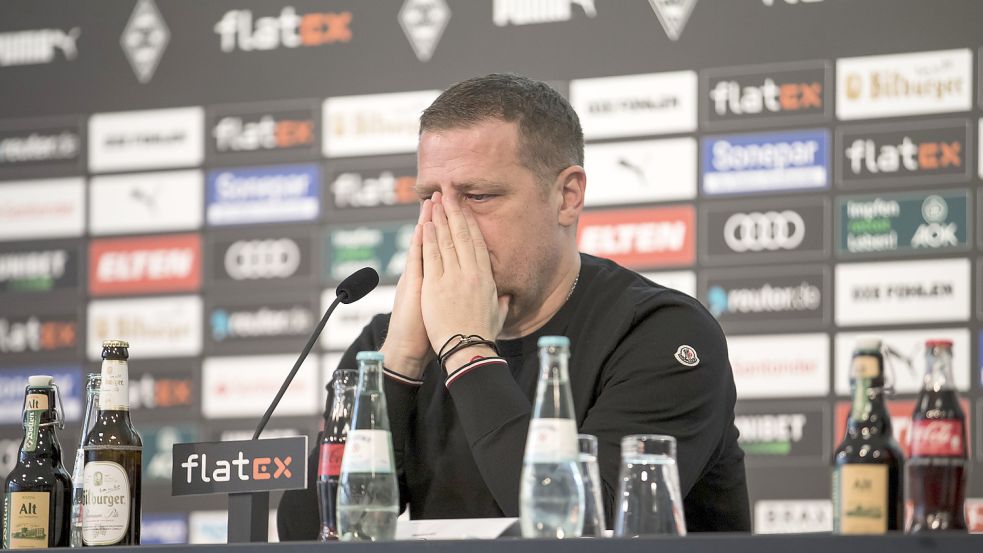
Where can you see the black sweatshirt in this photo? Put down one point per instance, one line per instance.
(459, 448)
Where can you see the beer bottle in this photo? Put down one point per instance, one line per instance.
(37, 492)
(867, 465)
(936, 471)
(111, 496)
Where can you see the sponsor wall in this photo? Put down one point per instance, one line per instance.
(200, 183)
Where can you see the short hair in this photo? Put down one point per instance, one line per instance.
(550, 137)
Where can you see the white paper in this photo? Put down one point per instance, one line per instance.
(452, 529)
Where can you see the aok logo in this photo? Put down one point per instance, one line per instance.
(263, 468)
(271, 131)
(239, 31)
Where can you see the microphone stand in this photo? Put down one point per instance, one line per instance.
(249, 513)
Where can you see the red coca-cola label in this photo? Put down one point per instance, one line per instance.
(937, 438)
(329, 460)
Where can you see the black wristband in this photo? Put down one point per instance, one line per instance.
(464, 342)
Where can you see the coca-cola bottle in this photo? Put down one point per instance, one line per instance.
(332, 449)
(936, 469)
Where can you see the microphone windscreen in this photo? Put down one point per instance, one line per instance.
(357, 285)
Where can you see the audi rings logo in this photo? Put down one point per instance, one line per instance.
(768, 231)
(262, 259)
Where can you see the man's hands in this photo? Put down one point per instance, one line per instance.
(446, 289)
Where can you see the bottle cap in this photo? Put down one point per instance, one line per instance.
(368, 356)
(929, 344)
(554, 341)
(867, 343)
(115, 344)
(40, 381)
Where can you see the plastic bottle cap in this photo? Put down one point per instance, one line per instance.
(368, 356)
(867, 343)
(554, 341)
(40, 381)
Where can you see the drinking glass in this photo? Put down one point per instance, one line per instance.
(649, 501)
(591, 475)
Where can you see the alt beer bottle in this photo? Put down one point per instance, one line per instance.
(867, 496)
(936, 470)
(37, 492)
(111, 496)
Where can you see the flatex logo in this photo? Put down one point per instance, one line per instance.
(239, 31)
(528, 12)
(903, 223)
(250, 465)
(38, 333)
(635, 105)
(765, 95)
(904, 84)
(142, 265)
(640, 238)
(912, 153)
(144, 39)
(33, 147)
(273, 130)
(902, 292)
(766, 230)
(786, 297)
(40, 46)
(39, 268)
(362, 186)
(765, 162)
(423, 22)
(157, 391)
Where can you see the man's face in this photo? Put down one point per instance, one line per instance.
(517, 216)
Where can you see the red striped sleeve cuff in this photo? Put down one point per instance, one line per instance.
(401, 378)
(480, 362)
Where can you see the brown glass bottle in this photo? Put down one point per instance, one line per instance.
(867, 465)
(113, 454)
(38, 490)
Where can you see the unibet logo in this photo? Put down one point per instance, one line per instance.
(264, 468)
(906, 156)
(234, 134)
(32, 270)
(769, 434)
(729, 97)
(238, 30)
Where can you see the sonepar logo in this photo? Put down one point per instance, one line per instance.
(918, 222)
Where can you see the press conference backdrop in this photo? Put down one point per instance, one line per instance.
(197, 177)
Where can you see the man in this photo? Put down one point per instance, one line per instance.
(494, 254)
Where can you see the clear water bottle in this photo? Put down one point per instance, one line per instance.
(551, 493)
(368, 496)
(92, 384)
(591, 474)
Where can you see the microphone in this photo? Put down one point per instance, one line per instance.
(352, 289)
